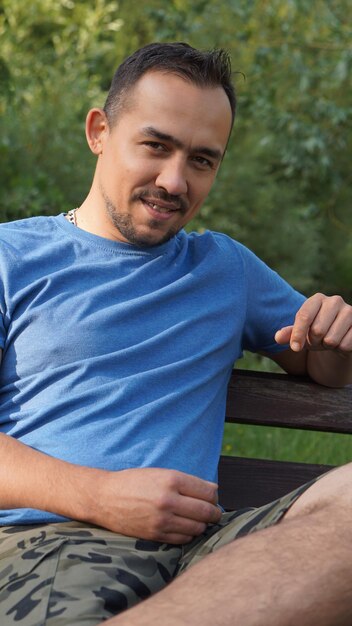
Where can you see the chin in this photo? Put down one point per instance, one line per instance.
(149, 238)
(152, 240)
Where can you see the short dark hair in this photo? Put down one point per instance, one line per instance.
(211, 68)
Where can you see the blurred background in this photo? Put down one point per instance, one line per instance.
(284, 188)
(285, 185)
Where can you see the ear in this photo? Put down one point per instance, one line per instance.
(97, 129)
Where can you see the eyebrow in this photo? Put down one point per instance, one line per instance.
(150, 131)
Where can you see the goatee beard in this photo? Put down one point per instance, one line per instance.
(123, 222)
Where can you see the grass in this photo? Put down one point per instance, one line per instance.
(287, 445)
(284, 444)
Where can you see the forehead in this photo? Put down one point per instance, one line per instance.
(180, 108)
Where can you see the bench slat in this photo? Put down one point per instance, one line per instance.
(252, 482)
(269, 399)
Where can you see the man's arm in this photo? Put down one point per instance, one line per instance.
(320, 341)
(152, 503)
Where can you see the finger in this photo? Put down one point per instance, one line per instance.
(176, 524)
(332, 314)
(283, 335)
(175, 538)
(197, 510)
(198, 488)
(337, 336)
(345, 345)
(303, 320)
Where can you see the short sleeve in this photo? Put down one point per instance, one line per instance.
(271, 304)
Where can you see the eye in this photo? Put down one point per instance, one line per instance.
(156, 146)
(203, 163)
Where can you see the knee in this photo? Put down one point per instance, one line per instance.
(333, 489)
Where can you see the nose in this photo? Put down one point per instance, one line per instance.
(172, 177)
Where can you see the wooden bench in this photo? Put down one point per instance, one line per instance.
(277, 400)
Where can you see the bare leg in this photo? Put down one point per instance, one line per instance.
(334, 488)
(298, 572)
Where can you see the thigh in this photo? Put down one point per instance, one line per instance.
(333, 488)
(236, 524)
(73, 574)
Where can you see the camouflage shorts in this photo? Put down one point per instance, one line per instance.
(73, 574)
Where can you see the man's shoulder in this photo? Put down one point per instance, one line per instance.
(214, 241)
(26, 233)
(212, 237)
(27, 224)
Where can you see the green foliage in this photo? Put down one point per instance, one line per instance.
(284, 185)
(282, 189)
(56, 60)
(280, 444)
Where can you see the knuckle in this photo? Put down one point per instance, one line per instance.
(330, 342)
(337, 300)
(163, 502)
(171, 480)
(316, 331)
(158, 525)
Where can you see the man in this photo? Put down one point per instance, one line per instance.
(119, 332)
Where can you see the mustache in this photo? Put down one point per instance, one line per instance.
(160, 194)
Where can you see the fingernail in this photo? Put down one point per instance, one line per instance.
(295, 346)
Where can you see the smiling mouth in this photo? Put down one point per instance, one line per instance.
(160, 208)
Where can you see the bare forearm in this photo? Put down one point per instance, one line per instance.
(153, 503)
(29, 478)
(330, 368)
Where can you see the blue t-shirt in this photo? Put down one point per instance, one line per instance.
(118, 357)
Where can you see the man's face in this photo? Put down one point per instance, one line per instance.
(158, 162)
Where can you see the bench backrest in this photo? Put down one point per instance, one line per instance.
(268, 399)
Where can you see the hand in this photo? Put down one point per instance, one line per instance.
(157, 504)
(322, 323)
